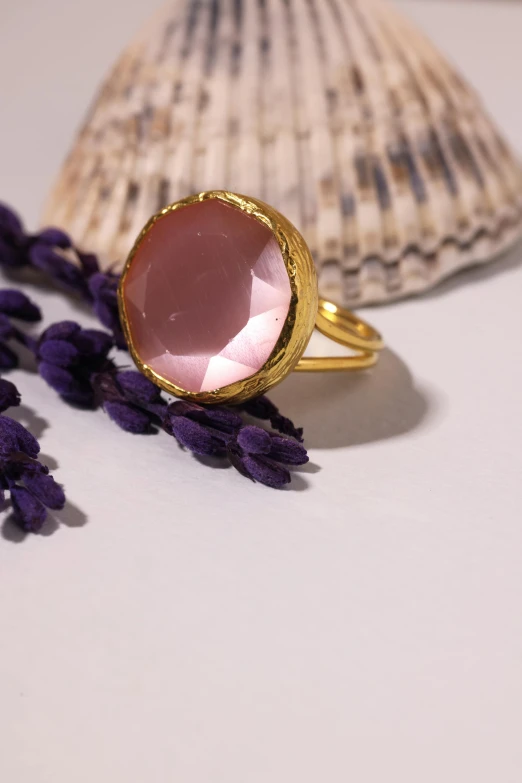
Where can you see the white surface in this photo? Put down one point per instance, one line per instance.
(186, 625)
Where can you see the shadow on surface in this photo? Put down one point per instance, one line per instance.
(345, 409)
(217, 463)
(70, 515)
(10, 530)
(31, 421)
(299, 481)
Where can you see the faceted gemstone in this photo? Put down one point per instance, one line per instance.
(207, 295)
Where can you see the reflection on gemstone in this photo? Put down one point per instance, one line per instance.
(206, 296)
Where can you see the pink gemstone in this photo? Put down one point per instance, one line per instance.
(207, 295)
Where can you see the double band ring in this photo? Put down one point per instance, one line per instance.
(218, 300)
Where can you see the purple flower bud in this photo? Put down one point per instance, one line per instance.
(18, 305)
(262, 408)
(64, 382)
(196, 437)
(9, 395)
(10, 223)
(89, 263)
(6, 328)
(287, 451)
(29, 512)
(266, 471)
(235, 455)
(58, 352)
(58, 378)
(222, 419)
(62, 330)
(20, 465)
(157, 409)
(103, 288)
(104, 313)
(10, 256)
(8, 359)
(14, 437)
(127, 417)
(45, 489)
(82, 395)
(45, 258)
(93, 342)
(254, 440)
(137, 388)
(184, 408)
(50, 261)
(105, 386)
(97, 284)
(13, 241)
(54, 237)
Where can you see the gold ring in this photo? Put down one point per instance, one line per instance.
(218, 300)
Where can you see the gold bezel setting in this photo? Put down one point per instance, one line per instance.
(299, 323)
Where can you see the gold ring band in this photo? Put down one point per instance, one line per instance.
(345, 328)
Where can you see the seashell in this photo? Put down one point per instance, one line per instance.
(337, 112)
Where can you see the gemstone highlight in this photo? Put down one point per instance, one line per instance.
(206, 296)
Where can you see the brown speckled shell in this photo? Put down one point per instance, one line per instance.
(339, 113)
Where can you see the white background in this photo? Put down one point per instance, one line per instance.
(182, 624)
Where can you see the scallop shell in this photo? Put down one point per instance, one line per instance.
(337, 112)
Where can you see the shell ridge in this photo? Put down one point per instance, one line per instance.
(380, 153)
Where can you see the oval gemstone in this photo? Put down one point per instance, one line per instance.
(206, 296)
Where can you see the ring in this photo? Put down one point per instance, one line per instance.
(218, 300)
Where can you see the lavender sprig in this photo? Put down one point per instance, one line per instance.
(49, 251)
(14, 304)
(75, 362)
(31, 488)
(133, 402)
(136, 405)
(264, 409)
(103, 287)
(68, 357)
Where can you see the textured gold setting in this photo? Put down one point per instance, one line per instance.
(300, 320)
(305, 312)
